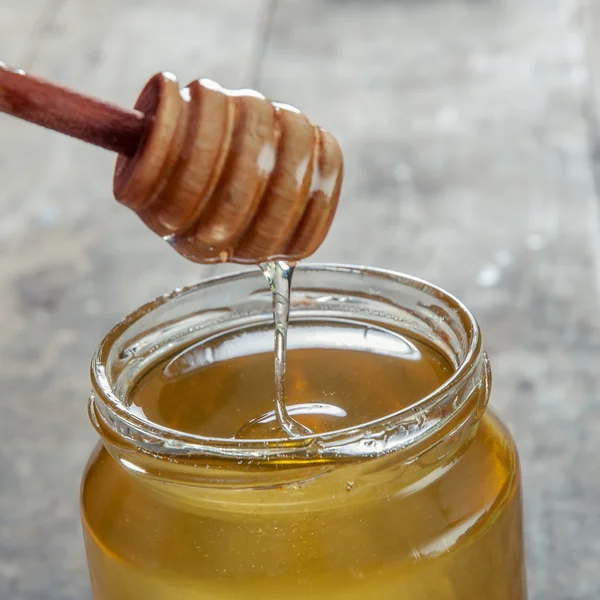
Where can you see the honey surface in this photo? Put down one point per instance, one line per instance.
(215, 389)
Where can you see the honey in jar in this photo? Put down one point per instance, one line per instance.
(405, 486)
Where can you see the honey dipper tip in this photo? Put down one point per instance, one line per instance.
(228, 173)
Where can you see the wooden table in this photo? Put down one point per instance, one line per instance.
(471, 132)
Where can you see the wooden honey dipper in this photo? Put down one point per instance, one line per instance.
(222, 175)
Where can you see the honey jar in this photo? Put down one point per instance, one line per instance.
(407, 486)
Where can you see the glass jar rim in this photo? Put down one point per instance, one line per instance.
(108, 410)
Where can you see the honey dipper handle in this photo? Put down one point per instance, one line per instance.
(66, 111)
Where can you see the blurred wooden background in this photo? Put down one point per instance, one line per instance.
(470, 130)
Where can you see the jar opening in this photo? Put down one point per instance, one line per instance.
(182, 329)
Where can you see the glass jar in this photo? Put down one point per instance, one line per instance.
(424, 503)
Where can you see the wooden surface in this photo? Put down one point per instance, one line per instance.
(470, 132)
